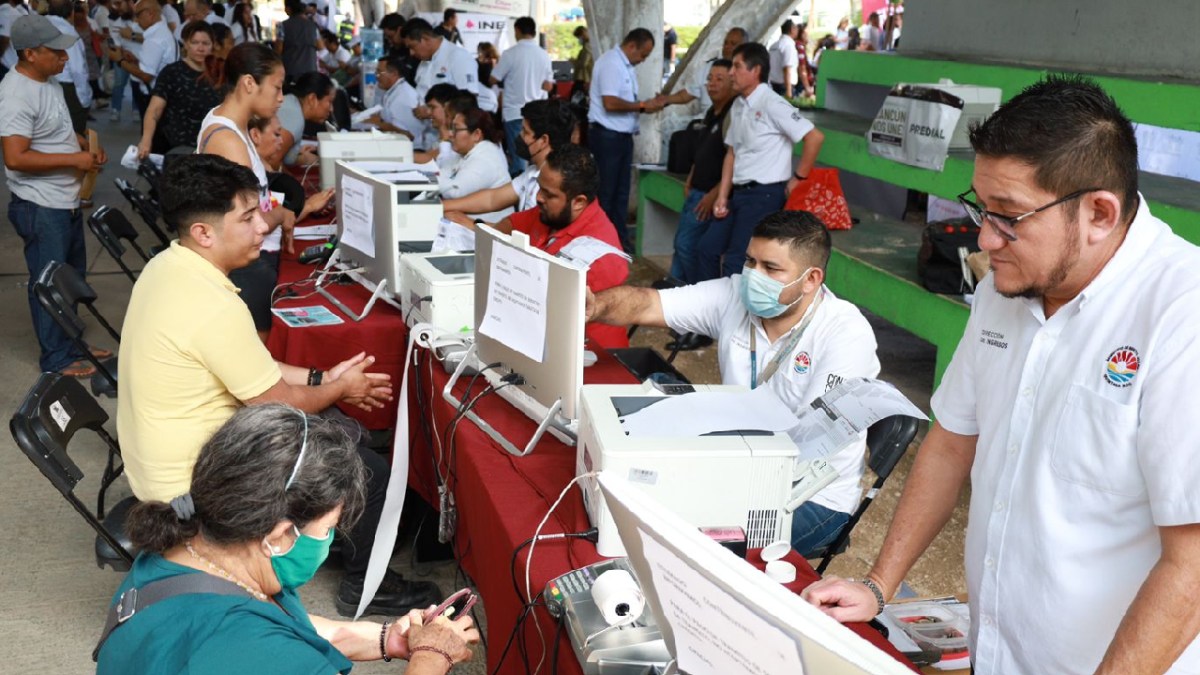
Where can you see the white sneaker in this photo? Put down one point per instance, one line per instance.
(115, 116)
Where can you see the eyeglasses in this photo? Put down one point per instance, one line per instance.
(460, 129)
(1006, 226)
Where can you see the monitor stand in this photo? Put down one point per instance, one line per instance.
(548, 419)
(378, 291)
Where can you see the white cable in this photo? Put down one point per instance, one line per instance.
(529, 562)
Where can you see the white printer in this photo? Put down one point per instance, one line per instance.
(358, 146)
(740, 479)
(439, 289)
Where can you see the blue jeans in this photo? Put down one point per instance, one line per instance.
(120, 79)
(614, 162)
(685, 266)
(814, 527)
(722, 249)
(512, 131)
(49, 234)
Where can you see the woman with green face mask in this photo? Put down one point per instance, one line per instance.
(214, 589)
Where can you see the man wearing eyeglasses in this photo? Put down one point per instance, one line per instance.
(1070, 405)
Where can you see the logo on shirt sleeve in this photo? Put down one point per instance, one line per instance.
(1122, 366)
(802, 363)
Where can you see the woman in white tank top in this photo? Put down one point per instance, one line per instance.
(253, 81)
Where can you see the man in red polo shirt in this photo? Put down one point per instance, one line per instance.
(568, 222)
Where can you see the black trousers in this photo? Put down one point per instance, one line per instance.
(357, 544)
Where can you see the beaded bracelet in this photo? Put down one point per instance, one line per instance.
(874, 588)
(383, 641)
(435, 650)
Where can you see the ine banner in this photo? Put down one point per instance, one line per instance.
(476, 28)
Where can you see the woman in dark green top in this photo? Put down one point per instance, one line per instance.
(267, 491)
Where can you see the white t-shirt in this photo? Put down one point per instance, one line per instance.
(76, 70)
(158, 50)
(783, 55)
(762, 131)
(482, 168)
(451, 64)
(170, 15)
(837, 344)
(8, 14)
(101, 18)
(1087, 445)
(526, 186)
(37, 111)
(522, 70)
(613, 75)
(334, 60)
(398, 105)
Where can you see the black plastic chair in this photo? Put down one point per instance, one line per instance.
(53, 411)
(887, 441)
(145, 207)
(60, 289)
(111, 228)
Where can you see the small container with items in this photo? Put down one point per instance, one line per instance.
(933, 626)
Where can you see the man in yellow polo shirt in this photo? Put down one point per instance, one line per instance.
(190, 357)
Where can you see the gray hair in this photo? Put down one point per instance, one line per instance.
(239, 484)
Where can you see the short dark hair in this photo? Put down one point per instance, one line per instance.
(450, 13)
(220, 31)
(787, 26)
(477, 119)
(639, 37)
(800, 230)
(578, 30)
(192, 27)
(392, 21)
(441, 92)
(578, 169)
(755, 55)
(525, 25)
(1072, 133)
(392, 63)
(721, 63)
(552, 118)
(417, 29)
(202, 188)
(740, 31)
(317, 84)
(462, 102)
(293, 6)
(240, 489)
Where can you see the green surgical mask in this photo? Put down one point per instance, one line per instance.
(296, 567)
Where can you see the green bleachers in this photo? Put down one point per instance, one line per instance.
(874, 265)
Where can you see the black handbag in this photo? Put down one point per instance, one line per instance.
(941, 262)
(681, 151)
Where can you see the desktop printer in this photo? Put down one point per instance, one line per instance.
(738, 479)
(358, 146)
(439, 289)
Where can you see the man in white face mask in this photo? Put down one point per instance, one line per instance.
(776, 325)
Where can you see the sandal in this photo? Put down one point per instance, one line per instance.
(100, 353)
(79, 369)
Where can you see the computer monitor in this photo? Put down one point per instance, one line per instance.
(718, 614)
(379, 219)
(558, 374)
(358, 146)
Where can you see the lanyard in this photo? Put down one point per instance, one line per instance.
(785, 350)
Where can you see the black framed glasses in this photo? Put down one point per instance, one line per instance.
(1006, 226)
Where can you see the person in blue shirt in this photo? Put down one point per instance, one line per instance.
(267, 491)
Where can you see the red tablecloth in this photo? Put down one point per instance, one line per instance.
(381, 334)
(502, 498)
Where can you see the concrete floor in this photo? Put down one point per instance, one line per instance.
(57, 598)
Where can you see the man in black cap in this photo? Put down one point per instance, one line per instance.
(44, 161)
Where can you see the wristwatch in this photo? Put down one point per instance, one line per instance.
(799, 177)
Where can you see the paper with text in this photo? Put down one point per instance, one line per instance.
(314, 232)
(382, 166)
(453, 237)
(704, 412)
(516, 301)
(358, 214)
(836, 419)
(714, 632)
(587, 250)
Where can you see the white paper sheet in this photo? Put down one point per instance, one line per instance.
(314, 232)
(715, 634)
(366, 114)
(405, 177)
(704, 412)
(130, 161)
(516, 301)
(453, 237)
(587, 250)
(837, 418)
(358, 214)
